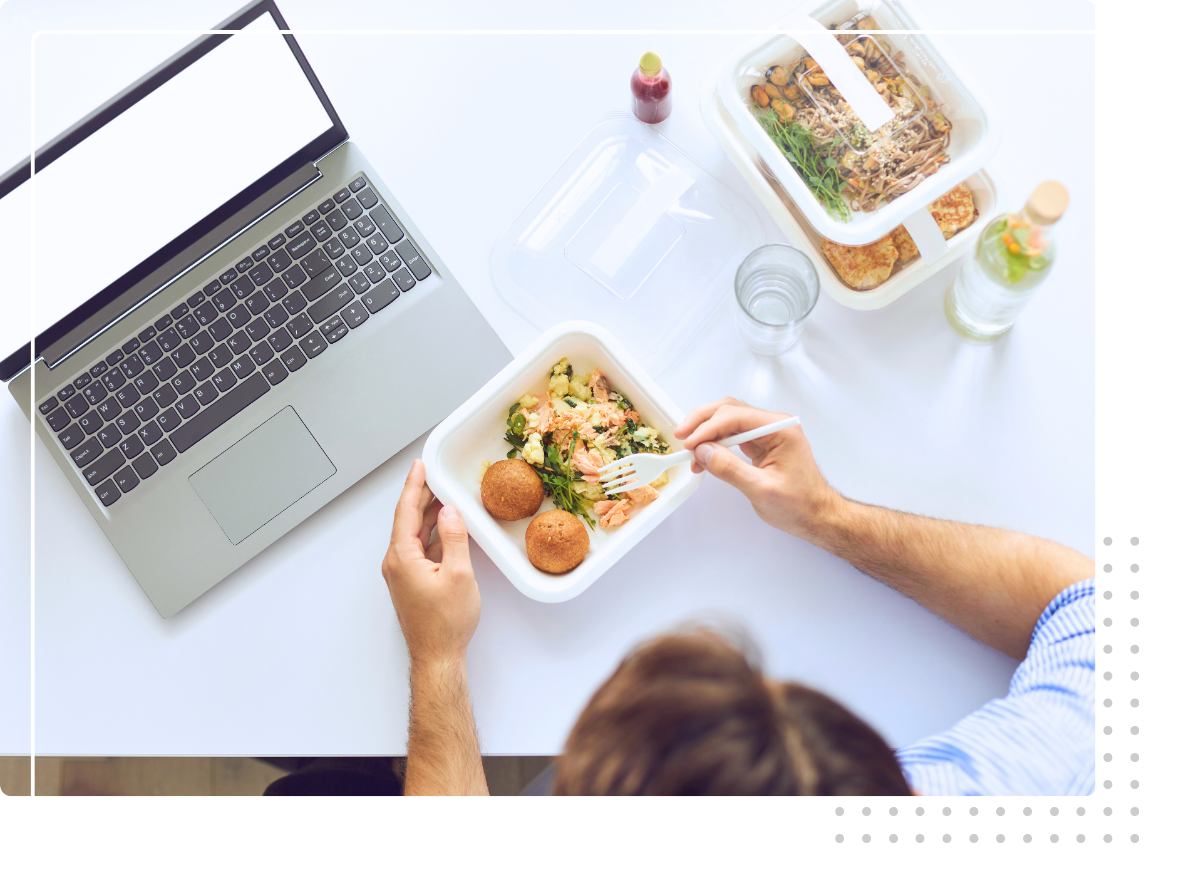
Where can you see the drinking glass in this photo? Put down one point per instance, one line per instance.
(777, 288)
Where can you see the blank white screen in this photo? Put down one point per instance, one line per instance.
(167, 162)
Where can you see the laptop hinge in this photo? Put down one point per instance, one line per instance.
(180, 264)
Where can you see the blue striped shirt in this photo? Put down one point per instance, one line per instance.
(1039, 739)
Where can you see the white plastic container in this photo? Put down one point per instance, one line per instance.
(474, 432)
(802, 236)
(975, 133)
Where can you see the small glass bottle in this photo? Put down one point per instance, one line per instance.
(1014, 255)
(651, 86)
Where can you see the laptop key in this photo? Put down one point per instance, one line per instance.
(238, 316)
(132, 366)
(114, 380)
(206, 313)
(108, 493)
(147, 335)
(313, 344)
(183, 383)
(145, 465)
(103, 467)
(314, 263)
(321, 284)
(221, 355)
(170, 339)
(242, 266)
(220, 411)
(224, 380)
(258, 329)
(376, 243)
(187, 407)
(108, 435)
(341, 195)
(130, 347)
(330, 324)
(336, 220)
(150, 353)
(349, 237)
(387, 224)
(260, 274)
(357, 184)
(415, 262)
(279, 339)
(293, 229)
(163, 452)
(359, 283)
(220, 328)
(351, 209)
(205, 393)
(210, 288)
(293, 358)
(354, 314)
(298, 326)
(328, 306)
(242, 367)
(327, 206)
(128, 394)
(260, 253)
(293, 277)
(187, 326)
(310, 217)
(279, 261)
(57, 419)
(321, 231)
(94, 393)
(126, 479)
(240, 342)
(169, 420)
(346, 266)
(224, 300)
(364, 226)
(109, 408)
(77, 405)
(361, 255)
(390, 260)
(302, 245)
(275, 290)
(66, 392)
(87, 452)
(337, 334)
(183, 355)
(127, 423)
(261, 353)
(403, 278)
(113, 360)
(367, 198)
(90, 422)
(97, 371)
(131, 446)
(146, 383)
(166, 396)
(146, 409)
(202, 369)
(242, 287)
(276, 242)
(294, 303)
(276, 316)
(201, 342)
(374, 271)
(163, 323)
(71, 436)
(334, 248)
(228, 275)
(182, 309)
(48, 406)
(257, 303)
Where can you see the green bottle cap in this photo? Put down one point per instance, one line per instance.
(650, 65)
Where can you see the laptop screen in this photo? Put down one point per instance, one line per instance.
(149, 175)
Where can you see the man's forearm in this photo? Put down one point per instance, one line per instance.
(991, 583)
(443, 756)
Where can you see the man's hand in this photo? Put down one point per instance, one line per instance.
(431, 584)
(783, 483)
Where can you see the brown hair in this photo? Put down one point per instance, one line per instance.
(691, 714)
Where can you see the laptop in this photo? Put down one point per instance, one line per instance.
(244, 322)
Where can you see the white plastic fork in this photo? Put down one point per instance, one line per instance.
(635, 471)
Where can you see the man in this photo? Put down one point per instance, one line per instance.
(692, 713)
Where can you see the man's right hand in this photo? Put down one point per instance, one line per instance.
(783, 483)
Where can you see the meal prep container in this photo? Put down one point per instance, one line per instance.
(474, 432)
(803, 237)
(629, 231)
(975, 134)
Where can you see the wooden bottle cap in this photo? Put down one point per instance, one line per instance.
(1048, 202)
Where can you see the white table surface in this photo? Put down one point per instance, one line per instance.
(299, 652)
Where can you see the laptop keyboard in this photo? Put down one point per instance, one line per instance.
(226, 345)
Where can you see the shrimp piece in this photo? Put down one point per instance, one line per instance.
(612, 513)
(642, 495)
(600, 386)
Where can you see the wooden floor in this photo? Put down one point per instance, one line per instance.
(198, 776)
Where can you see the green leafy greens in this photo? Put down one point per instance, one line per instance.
(818, 171)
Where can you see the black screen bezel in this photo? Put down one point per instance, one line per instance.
(16, 362)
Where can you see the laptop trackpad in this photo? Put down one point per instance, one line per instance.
(262, 475)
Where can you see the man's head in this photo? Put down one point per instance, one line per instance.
(691, 714)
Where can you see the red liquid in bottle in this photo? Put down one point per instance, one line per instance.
(651, 86)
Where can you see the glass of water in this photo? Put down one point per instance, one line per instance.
(777, 288)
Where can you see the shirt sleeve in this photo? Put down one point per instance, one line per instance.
(1039, 739)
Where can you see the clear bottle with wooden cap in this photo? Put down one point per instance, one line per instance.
(1014, 255)
(651, 86)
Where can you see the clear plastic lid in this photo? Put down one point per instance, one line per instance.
(630, 233)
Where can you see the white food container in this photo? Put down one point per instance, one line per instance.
(803, 237)
(474, 432)
(975, 134)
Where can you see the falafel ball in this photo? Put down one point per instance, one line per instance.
(557, 541)
(511, 490)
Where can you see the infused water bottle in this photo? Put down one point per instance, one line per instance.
(651, 86)
(1013, 257)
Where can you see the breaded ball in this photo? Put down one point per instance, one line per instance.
(511, 490)
(557, 541)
